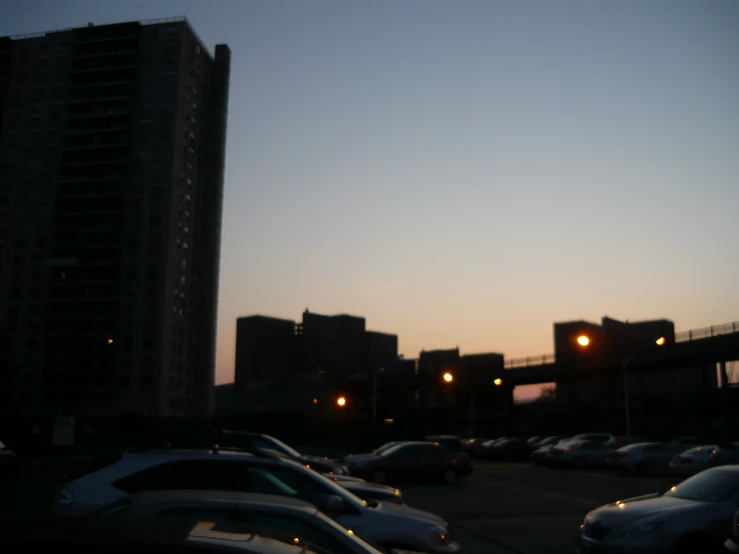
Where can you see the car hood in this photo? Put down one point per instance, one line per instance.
(631, 510)
(403, 510)
(367, 486)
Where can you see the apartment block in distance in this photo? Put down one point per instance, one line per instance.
(112, 146)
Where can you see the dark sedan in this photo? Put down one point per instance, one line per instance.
(413, 461)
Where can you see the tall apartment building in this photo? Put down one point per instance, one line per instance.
(112, 146)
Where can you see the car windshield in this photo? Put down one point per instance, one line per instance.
(385, 447)
(713, 485)
(390, 451)
(285, 448)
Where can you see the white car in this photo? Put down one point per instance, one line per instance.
(694, 517)
(259, 512)
(386, 524)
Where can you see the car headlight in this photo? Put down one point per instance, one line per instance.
(638, 529)
(441, 533)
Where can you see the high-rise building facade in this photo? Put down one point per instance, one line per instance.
(112, 147)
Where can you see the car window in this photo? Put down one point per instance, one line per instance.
(212, 474)
(298, 528)
(402, 452)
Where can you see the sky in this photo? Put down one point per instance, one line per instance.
(465, 173)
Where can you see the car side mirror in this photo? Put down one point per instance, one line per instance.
(334, 504)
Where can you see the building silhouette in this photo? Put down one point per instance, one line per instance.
(333, 346)
(112, 151)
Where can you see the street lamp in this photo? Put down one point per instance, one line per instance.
(341, 401)
(498, 382)
(583, 340)
(448, 377)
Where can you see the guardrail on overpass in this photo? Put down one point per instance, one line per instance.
(682, 336)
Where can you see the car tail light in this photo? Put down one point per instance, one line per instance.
(398, 500)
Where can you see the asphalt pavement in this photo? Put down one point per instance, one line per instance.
(523, 509)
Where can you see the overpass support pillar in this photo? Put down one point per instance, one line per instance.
(723, 376)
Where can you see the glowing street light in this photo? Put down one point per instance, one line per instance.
(583, 340)
(498, 382)
(660, 341)
(341, 401)
(448, 377)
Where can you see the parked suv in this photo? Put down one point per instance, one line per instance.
(387, 524)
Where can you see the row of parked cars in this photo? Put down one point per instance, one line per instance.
(682, 456)
(697, 515)
(250, 492)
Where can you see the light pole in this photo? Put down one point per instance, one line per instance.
(584, 341)
(448, 378)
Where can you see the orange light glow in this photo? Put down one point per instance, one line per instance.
(660, 341)
(315, 400)
(448, 377)
(583, 340)
(341, 401)
(498, 382)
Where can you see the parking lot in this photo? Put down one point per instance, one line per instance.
(500, 508)
(525, 509)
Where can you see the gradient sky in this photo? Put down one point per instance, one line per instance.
(467, 173)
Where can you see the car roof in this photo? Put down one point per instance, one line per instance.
(153, 497)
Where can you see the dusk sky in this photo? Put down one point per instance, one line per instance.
(467, 173)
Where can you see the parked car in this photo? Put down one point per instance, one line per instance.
(539, 456)
(641, 458)
(146, 535)
(360, 487)
(452, 442)
(260, 512)
(724, 454)
(694, 517)
(413, 461)
(230, 471)
(681, 444)
(579, 454)
(546, 441)
(468, 445)
(622, 440)
(513, 450)
(249, 441)
(692, 461)
(732, 543)
(375, 452)
(598, 437)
